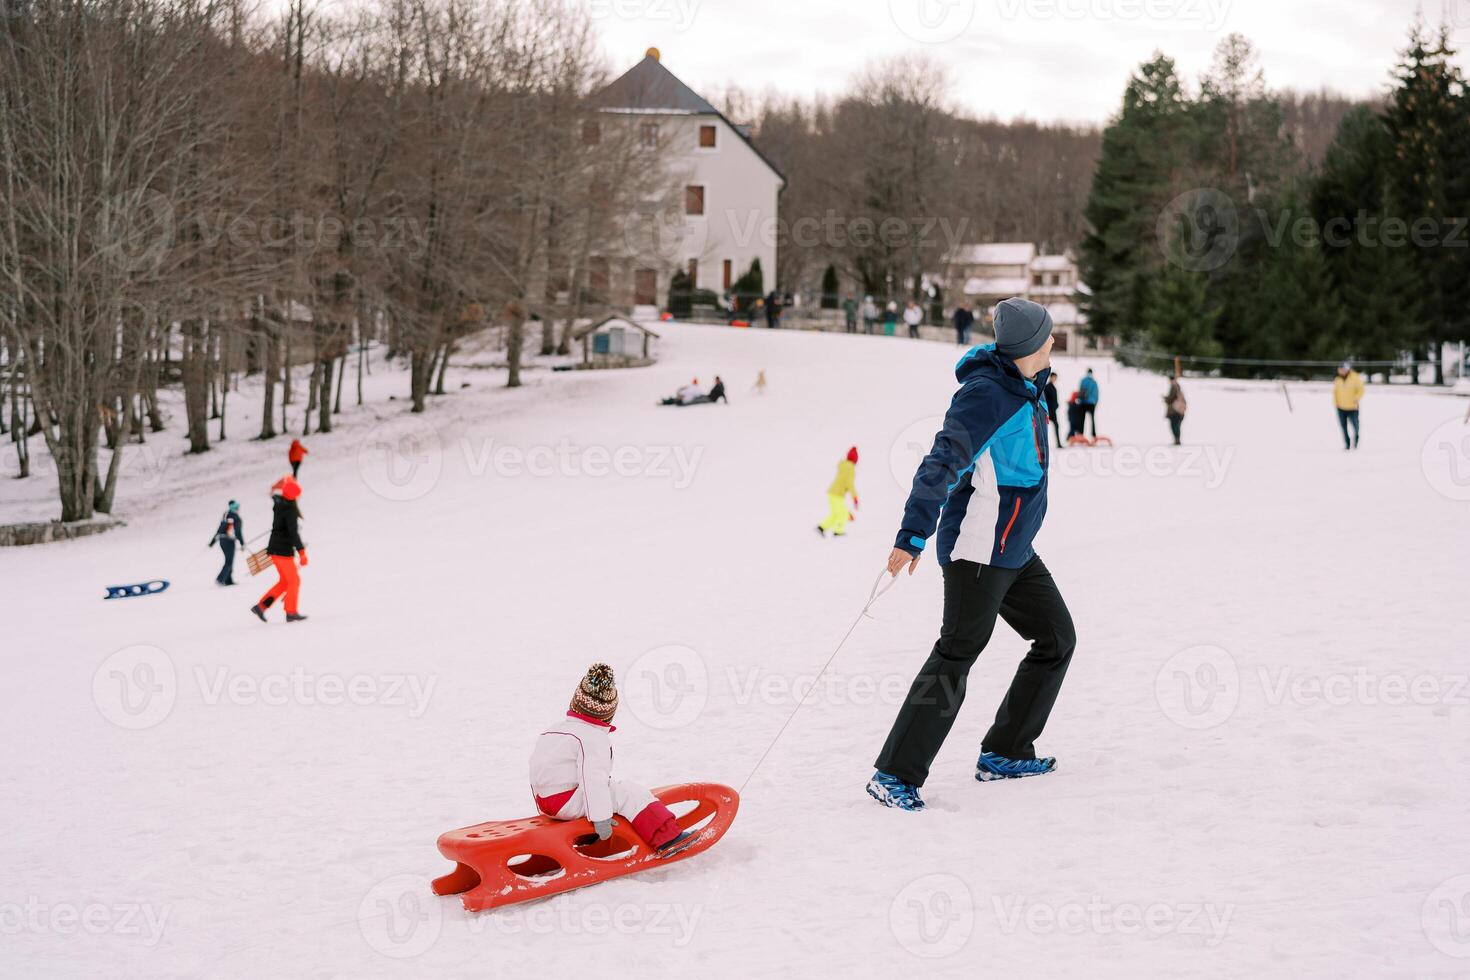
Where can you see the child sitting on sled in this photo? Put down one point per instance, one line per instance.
(571, 771)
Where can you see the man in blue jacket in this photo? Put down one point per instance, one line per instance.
(980, 497)
(1087, 398)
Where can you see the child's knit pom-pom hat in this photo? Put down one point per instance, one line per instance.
(597, 695)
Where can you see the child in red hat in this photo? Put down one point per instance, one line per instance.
(842, 485)
(285, 542)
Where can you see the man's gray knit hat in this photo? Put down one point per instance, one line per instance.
(1021, 327)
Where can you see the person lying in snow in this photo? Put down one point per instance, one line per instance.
(686, 395)
(571, 771)
(692, 394)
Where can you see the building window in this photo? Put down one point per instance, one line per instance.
(1036, 279)
(727, 275)
(694, 199)
(693, 273)
(707, 137)
(648, 134)
(591, 132)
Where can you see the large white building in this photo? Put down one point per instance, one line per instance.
(729, 188)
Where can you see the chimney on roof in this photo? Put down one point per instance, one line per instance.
(651, 53)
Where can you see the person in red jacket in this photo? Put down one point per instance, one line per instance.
(285, 542)
(295, 455)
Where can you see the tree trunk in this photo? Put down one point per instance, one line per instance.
(268, 410)
(313, 385)
(196, 385)
(324, 400)
(19, 433)
(341, 373)
(212, 354)
(443, 366)
(361, 360)
(420, 364)
(514, 343)
(224, 380)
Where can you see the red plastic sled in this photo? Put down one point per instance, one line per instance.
(503, 862)
(1081, 440)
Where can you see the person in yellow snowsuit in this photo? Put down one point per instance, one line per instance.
(843, 483)
(1347, 394)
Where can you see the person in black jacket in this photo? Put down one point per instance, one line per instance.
(285, 543)
(1053, 406)
(230, 530)
(717, 393)
(963, 321)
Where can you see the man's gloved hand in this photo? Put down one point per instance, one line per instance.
(603, 828)
(304, 561)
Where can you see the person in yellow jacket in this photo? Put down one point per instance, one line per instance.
(843, 483)
(1347, 393)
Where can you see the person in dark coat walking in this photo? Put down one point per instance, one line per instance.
(285, 543)
(773, 310)
(230, 530)
(1053, 406)
(963, 321)
(1174, 407)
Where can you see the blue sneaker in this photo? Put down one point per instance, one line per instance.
(991, 766)
(892, 791)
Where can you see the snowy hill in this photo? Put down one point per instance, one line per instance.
(1261, 741)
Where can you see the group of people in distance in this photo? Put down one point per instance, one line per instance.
(694, 394)
(1081, 406)
(912, 315)
(285, 542)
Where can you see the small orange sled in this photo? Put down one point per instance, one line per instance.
(508, 861)
(1081, 440)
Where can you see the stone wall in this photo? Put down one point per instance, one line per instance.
(40, 532)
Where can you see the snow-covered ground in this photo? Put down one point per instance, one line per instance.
(1262, 740)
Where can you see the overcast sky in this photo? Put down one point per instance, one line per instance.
(1048, 60)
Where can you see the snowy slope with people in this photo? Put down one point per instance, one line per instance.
(1260, 742)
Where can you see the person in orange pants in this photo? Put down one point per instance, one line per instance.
(285, 543)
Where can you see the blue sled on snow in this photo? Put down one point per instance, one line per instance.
(129, 591)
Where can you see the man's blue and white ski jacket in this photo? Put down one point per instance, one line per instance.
(984, 482)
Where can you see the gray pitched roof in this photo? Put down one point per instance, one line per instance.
(649, 85)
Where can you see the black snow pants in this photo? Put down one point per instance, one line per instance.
(974, 595)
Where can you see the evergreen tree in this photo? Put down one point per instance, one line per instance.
(1141, 151)
(830, 288)
(1376, 286)
(1243, 157)
(1177, 318)
(1295, 312)
(1427, 123)
(749, 287)
(680, 300)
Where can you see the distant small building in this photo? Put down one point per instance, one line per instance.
(993, 271)
(616, 341)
